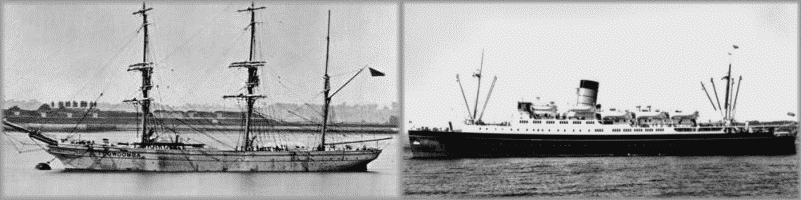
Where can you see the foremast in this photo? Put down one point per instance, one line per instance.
(253, 80)
(146, 68)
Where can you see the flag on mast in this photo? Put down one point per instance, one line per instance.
(374, 72)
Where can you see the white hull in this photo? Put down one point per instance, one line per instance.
(103, 158)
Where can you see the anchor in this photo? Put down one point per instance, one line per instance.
(44, 165)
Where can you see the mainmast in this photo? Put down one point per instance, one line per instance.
(326, 86)
(729, 93)
(147, 70)
(253, 79)
(728, 83)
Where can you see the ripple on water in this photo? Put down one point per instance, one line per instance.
(732, 176)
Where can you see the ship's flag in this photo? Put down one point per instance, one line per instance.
(374, 72)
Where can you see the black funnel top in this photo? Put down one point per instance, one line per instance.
(589, 84)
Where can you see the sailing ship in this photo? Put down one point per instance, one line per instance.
(538, 130)
(151, 155)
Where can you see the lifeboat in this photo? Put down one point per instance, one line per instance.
(651, 115)
(678, 116)
(544, 109)
(616, 115)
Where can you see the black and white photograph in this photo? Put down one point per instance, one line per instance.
(600, 100)
(399, 99)
(200, 99)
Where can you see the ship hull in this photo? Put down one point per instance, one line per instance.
(438, 144)
(100, 158)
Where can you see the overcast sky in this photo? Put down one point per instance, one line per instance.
(75, 51)
(642, 54)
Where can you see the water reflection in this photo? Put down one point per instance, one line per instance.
(19, 178)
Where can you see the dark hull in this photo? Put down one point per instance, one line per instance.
(431, 144)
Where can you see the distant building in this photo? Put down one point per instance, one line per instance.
(228, 114)
(13, 110)
(341, 113)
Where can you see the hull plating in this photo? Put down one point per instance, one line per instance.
(98, 158)
(431, 144)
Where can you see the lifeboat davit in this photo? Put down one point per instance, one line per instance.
(547, 108)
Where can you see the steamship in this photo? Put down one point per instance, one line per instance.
(538, 130)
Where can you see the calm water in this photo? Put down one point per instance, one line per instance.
(19, 178)
(707, 176)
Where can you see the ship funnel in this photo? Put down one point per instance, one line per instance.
(587, 93)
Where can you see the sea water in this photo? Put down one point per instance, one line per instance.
(579, 177)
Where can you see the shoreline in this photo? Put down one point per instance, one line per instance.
(191, 124)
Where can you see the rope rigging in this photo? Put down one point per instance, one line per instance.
(159, 124)
(88, 110)
(12, 139)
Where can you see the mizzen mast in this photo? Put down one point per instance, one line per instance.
(253, 79)
(327, 89)
(326, 86)
(146, 67)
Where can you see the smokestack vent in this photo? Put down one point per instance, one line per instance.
(587, 93)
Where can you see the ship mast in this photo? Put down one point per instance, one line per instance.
(728, 83)
(327, 89)
(326, 86)
(253, 79)
(147, 70)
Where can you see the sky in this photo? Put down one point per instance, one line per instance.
(78, 50)
(641, 54)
